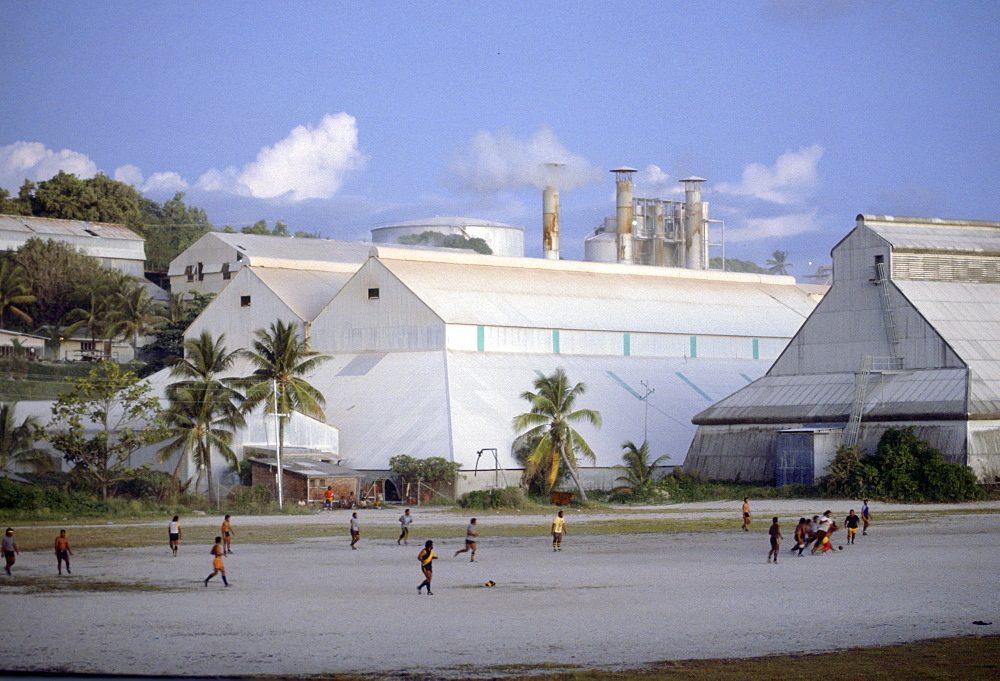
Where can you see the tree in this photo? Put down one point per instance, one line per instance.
(135, 314)
(439, 240)
(204, 409)
(735, 265)
(432, 470)
(103, 420)
(97, 199)
(16, 206)
(778, 264)
(14, 291)
(168, 339)
(638, 471)
(59, 276)
(170, 228)
(17, 440)
(281, 359)
(549, 419)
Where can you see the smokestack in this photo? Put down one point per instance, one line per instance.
(550, 214)
(623, 184)
(696, 238)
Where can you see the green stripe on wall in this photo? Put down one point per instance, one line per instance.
(555, 341)
(694, 346)
(627, 341)
(480, 338)
(756, 348)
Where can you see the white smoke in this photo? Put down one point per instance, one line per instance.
(652, 183)
(790, 180)
(33, 161)
(492, 162)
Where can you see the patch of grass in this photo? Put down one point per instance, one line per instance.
(70, 583)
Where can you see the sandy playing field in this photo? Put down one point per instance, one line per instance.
(314, 606)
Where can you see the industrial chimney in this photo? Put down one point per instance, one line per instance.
(696, 234)
(550, 213)
(623, 183)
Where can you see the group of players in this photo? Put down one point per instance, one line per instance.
(816, 532)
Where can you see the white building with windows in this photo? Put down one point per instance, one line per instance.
(114, 246)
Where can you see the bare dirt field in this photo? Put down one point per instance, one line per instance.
(313, 606)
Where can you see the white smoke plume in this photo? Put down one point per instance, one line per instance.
(492, 162)
(33, 161)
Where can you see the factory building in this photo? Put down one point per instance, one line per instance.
(215, 259)
(908, 335)
(113, 246)
(431, 349)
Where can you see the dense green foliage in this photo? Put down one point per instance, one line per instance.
(903, 468)
(735, 265)
(439, 240)
(431, 470)
(507, 497)
(167, 344)
(102, 421)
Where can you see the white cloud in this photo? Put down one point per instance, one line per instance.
(310, 163)
(492, 162)
(782, 226)
(165, 182)
(652, 183)
(790, 180)
(33, 161)
(129, 174)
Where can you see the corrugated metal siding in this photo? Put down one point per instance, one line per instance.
(49, 227)
(306, 292)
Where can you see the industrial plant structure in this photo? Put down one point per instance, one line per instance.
(431, 349)
(909, 335)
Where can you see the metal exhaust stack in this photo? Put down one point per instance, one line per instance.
(550, 213)
(696, 237)
(623, 182)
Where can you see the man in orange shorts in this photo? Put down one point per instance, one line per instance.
(217, 566)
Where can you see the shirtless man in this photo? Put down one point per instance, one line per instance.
(63, 552)
(217, 565)
(227, 533)
(746, 515)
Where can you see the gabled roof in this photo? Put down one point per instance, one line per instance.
(535, 293)
(306, 292)
(278, 251)
(49, 227)
(967, 316)
(309, 467)
(936, 235)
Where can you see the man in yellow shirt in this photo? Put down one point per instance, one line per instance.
(558, 530)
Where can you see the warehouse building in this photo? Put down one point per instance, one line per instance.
(908, 335)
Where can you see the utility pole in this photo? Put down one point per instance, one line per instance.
(645, 417)
(277, 442)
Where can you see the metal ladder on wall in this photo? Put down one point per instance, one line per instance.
(858, 404)
(882, 281)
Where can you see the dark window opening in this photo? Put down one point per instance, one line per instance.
(91, 232)
(226, 274)
(373, 294)
(201, 272)
(189, 271)
(239, 257)
(244, 301)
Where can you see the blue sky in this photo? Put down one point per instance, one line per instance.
(336, 116)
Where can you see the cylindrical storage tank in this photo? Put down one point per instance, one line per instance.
(623, 192)
(505, 240)
(603, 246)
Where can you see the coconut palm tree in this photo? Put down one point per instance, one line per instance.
(549, 419)
(778, 263)
(135, 314)
(17, 440)
(281, 360)
(14, 290)
(202, 419)
(637, 471)
(204, 409)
